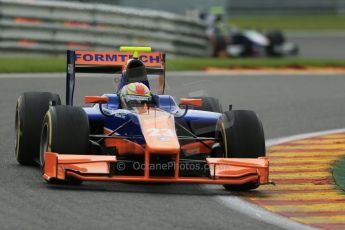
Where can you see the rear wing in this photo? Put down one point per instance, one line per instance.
(109, 62)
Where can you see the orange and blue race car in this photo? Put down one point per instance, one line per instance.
(137, 134)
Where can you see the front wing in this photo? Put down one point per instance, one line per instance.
(234, 171)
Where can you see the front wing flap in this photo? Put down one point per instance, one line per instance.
(97, 168)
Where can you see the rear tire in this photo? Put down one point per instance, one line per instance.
(210, 104)
(30, 110)
(241, 134)
(65, 130)
(276, 38)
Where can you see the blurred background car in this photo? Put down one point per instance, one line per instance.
(227, 40)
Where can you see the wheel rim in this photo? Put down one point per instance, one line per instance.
(17, 130)
(221, 138)
(224, 140)
(43, 144)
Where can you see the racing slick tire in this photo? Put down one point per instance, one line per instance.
(30, 110)
(65, 130)
(241, 135)
(276, 38)
(210, 104)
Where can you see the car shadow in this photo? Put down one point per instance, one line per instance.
(148, 188)
(131, 187)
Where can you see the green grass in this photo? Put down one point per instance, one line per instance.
(312, 22)
(339, 173)
(36, 65)
(32, 65)
(201, 63)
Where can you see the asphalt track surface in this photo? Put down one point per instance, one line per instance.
(286, 104)
(322, 45)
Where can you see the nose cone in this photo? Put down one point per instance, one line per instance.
(158, 128)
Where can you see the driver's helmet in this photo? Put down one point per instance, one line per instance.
(217, 11)
(134, 94)
(216, 14)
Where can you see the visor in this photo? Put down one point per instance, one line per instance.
(135, 100)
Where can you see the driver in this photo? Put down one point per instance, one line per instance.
(218, 32)
(134, 95)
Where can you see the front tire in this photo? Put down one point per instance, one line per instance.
(30, 110)
(65, 130)
(241, 135)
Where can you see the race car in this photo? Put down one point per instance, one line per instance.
(137, 133)
(252, 43)
(226, 40)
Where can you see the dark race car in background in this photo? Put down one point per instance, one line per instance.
(252, 43)
(226, 40)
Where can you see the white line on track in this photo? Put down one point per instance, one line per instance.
(252, 210)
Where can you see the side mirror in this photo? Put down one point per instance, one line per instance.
(191, 101)
(96, 99)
